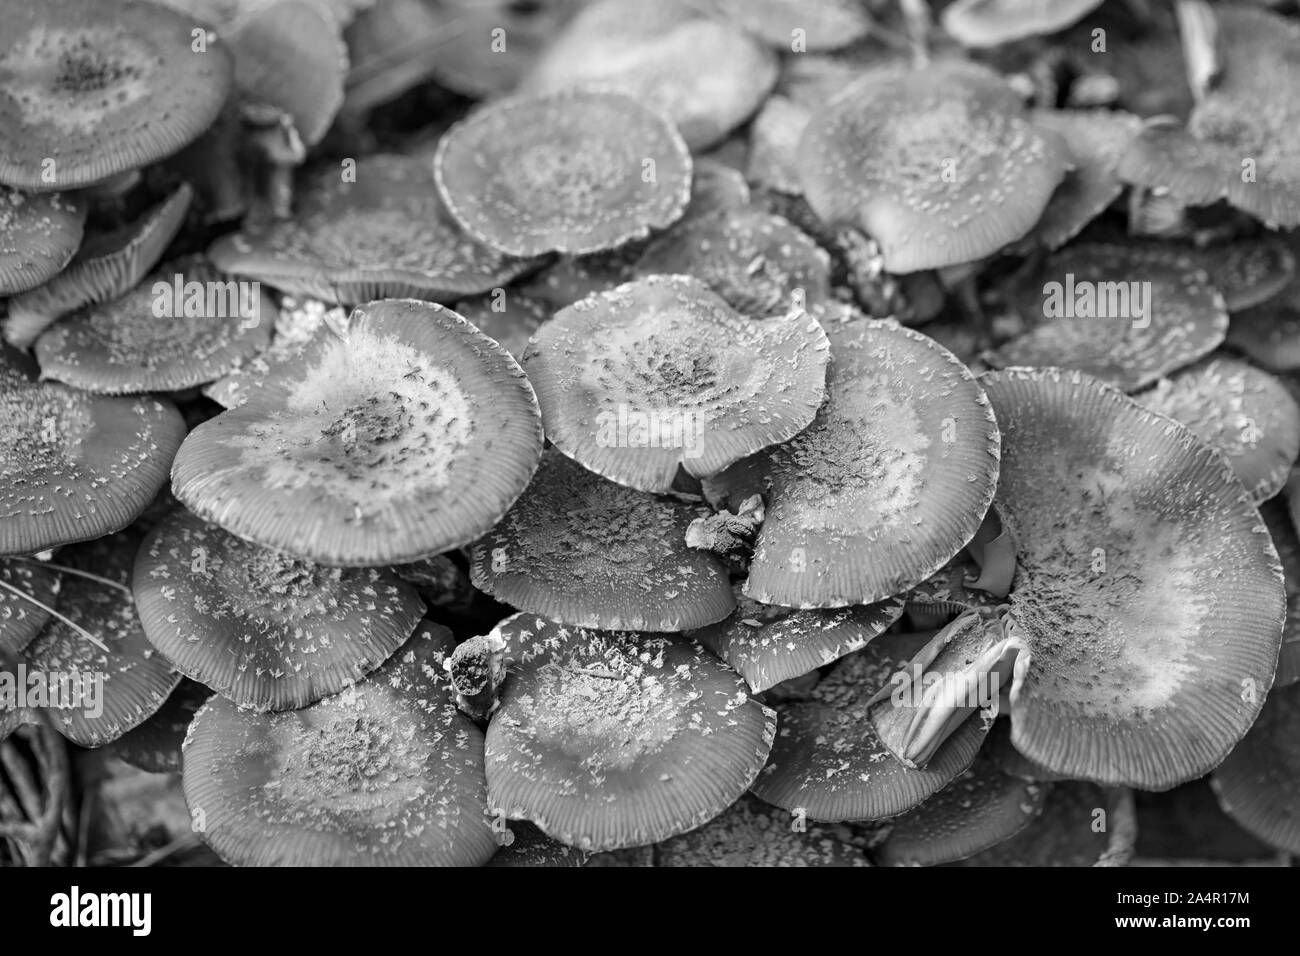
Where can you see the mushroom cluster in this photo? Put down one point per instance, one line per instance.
(701, 433)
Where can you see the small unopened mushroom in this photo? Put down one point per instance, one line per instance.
(109, 679)
(940, 167)
(768, 644)
(386, 773)
(90, 89)
(661, 373)
(376, 231)
(827, 760)
(1245, 413)
(410, 436)
(608, 739)
(75, 466)
(577, 171)
(39, 234)
(477, 669)
(264, 629)
(1258, 785)
(891, 479)
(989, 23)
(583, 551)
(705, 75)
(183, 326)
(1124, 313)
(107, 265)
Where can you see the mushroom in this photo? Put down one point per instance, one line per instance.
(410, 436)
(132, 345)
(511, 318)
(757, 261)
(608, 739)
(155, 745)
(92, 89)
(767, 644)
(1282, 530)
(804, 26)
(1124, 313)
(891, 479)
(380, 233)
(1258, 785)
(386, 773)
(940, 167)
(529, 846)
(107, 265)
(1248, 272)
(28, 593)
(1138, 549)
(110, 680)
(39, 234)
(752, 833)
(827, 760)
(577, 171)
(74, 466)
(1246, 414)
(708, 77)
(661, 373)
(1269, 333)
(989, 23)
(264, 629)
(584, 551)
(980, 809)
(774, 134)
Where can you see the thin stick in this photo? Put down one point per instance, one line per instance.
(57, 616)
(64, 569)
(185, 841)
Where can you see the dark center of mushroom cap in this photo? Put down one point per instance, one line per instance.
(558, 176)
(350, 762)
(618, 526)
(82, 68)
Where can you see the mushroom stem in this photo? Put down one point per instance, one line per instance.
(731, 536)
(275, 141)
(864, 266)
(961, 670)
(994, 551)
(916, 13)
(77, 572)
(478, 669)
(1198, 28)
(1122, 825)
(56, 615)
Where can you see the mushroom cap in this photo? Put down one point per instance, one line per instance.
(394, 46)
(980, 809)
(75, 466)
(827, 759)
(291, 55)
(988, 23)
(753, 833)
(1246, 414)
(706, 76)
(20, 620)
(107, 265)
(661, 372)
(1248, 112)
(821, 24)
(1282, 530)
(1139, 549)
(1258, 785)
(1249, 272)
(135, 680)
(1094, 291)
(890, 480)
(1269, 333)
(583, 551)
(940, 167)
(769, 644)
(266, 630)
(473, 65)
(510, 318)
(39, 235)
(1096, 140)
(753, 259)
(411, 436)
(101, 88)
(529, 846)
(155, 745)
(384, 235)
(574, 171)
(609, 739)
(386, 773)
(774, 135)
(1065, 832)
(126, 346)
